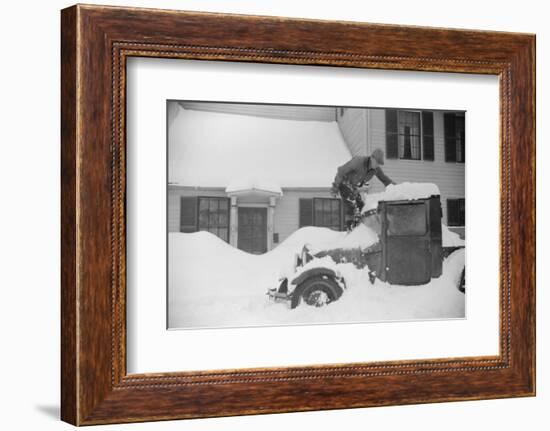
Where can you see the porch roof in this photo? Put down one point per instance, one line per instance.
(250, 185)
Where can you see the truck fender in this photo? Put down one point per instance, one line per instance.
(314, 272)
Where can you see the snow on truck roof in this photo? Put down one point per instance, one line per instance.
(402, 191)
(210, 149)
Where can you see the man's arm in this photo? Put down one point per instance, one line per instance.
(383, 177)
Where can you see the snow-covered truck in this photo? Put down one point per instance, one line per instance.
(408, 249)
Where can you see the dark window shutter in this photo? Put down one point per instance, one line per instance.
(391, 134)
(306, 212)
(188, 214)
(407, 150)
(450, 137)
(428, 135)
(453, 212)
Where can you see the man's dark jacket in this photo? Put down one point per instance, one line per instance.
(358, 171)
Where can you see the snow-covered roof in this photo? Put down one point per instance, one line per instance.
(209, 149)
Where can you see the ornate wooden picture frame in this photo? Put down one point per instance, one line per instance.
(96, 41)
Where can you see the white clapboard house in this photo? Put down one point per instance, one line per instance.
(253, 174)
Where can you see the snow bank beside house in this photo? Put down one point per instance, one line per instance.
(402, 191)
(450, 238)
(203, 260)
(212, 284)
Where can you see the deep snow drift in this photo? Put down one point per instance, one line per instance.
(212, 284)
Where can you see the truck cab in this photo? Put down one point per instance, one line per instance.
(411, 239)
(409, 252)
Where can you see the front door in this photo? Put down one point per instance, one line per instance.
(253, 230)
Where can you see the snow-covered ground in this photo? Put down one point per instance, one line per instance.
(212, 284)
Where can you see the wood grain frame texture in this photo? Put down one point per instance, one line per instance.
(95, 43)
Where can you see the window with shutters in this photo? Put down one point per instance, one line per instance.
(322, 212)
(409, 135)
(327, 213)
(214, 216)
(455, 137)
(205, 213)
(456, 212)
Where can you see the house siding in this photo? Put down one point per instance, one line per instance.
(449, 177)
(353, 125)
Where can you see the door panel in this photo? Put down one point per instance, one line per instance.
(408, 255)
(253, 230)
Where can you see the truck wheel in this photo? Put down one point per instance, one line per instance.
(462, 283)
(317, 292)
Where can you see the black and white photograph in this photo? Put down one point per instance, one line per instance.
(297, 214)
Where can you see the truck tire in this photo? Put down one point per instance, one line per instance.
(462, 282)
(316, 292)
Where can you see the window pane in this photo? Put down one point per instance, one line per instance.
(452, 212)
(415, 147)
(456, 212)
(318, 204)
(318, 210)
(409, 135)
(213, 215)
(406, 219)
(335, 219)
(203, 217)
(407, 142)
(203, 204)
(327, 213)
(223, 218)
(213, 219)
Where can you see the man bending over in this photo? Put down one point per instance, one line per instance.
(353, 175)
